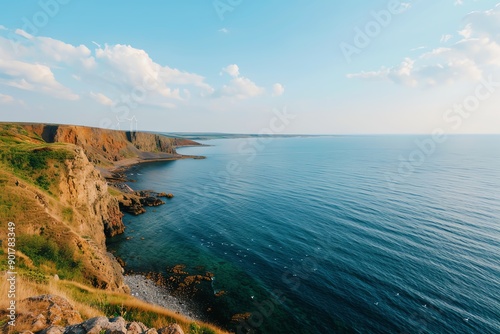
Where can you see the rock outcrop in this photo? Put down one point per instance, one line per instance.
(135, 202)
(51, 314)
(46, 311)
(96, 214)
(84, 188)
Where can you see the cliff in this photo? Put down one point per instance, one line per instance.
(62, 210)
(104, 147)
(52, 188)
(61, 207)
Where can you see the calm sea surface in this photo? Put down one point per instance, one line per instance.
(312, 236)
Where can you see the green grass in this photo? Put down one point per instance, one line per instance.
(67, 214)
(35, 275)
(194, 328)
(113, 191)
(43, 182)
(35, 162)
(34, 159)
(43, 251)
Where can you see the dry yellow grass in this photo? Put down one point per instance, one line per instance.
(92, 302)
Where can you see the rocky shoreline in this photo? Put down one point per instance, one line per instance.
(152, 287)
(147, 290)
(178, 290)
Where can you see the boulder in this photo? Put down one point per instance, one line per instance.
(53, 330)
(172, 329)
(48, 310)
(98, 325)
(136, 328)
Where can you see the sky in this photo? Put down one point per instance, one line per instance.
(260, 66)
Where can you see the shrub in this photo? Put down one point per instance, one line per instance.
(43, 182)
(33, 160)
(67, 214)
(196, 329)
(41, 250)
(35, 276)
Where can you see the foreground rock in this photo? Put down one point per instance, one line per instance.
(51, 314)
(116, 325)
(46, 311)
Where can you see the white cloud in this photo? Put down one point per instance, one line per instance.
(233, 70)
(23, 33)
(466, 32)
(278, 89)
(485, 23)
(119, 70)
(224, 30)
(445, 38)
(5, 99)
(405, 6)
(33, 77)
(478, 52)
(102, 99)
(119, 67)
(132, 68)
(458, 2)
(61, 52)
(10, 100)
(2, 27)
(239, 87)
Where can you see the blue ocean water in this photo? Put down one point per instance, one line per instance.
(332, 234)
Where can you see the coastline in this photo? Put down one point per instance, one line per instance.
(147, 290)
(140, 285)
(76, 192)
(121, 166)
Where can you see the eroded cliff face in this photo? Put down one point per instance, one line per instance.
(96, 215)
(83, 188)
(103, 146)
(76, 214)
(148, 142)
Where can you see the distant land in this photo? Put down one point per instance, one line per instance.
(221, 135)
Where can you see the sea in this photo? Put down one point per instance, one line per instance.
(329, 234)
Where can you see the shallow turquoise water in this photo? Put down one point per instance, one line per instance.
(316, 222)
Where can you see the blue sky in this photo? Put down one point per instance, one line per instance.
(231, 65)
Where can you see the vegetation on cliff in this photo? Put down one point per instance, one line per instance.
(63, 210)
